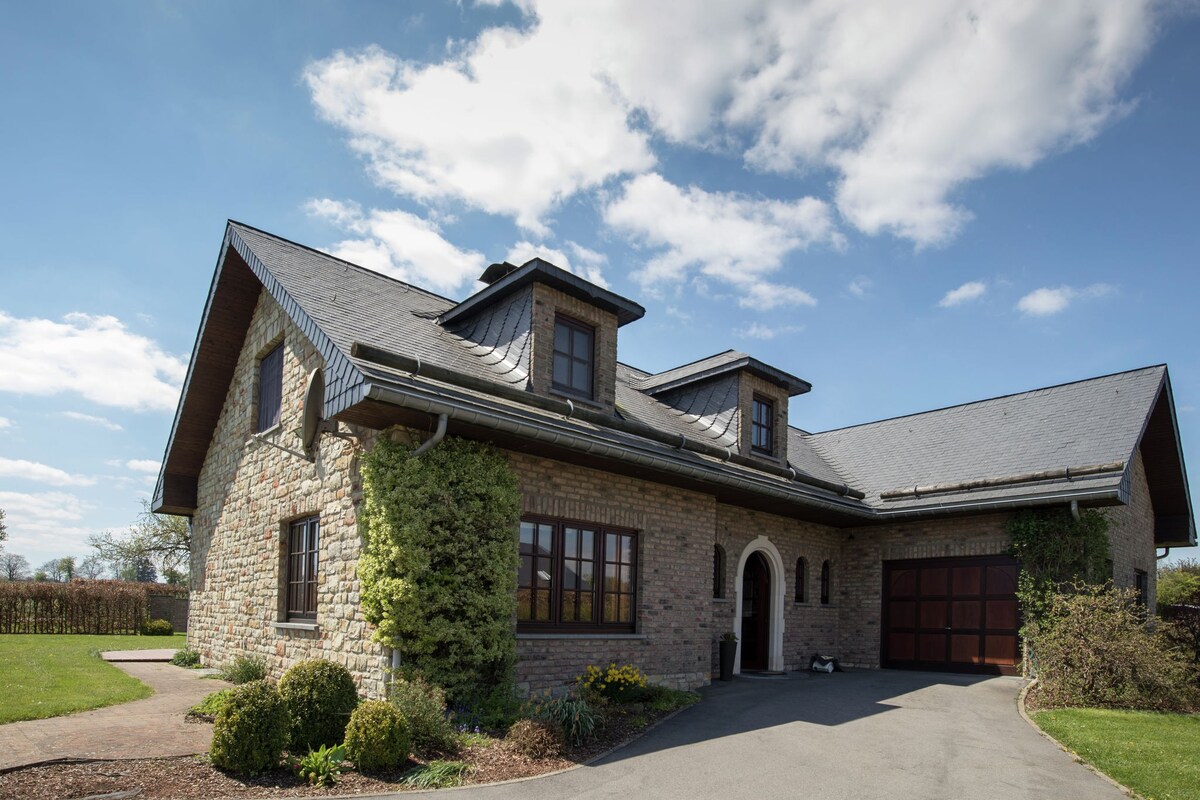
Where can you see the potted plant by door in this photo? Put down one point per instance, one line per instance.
(728, 652)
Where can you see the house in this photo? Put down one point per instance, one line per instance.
(883, 543)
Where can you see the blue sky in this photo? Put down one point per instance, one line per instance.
(908, 207)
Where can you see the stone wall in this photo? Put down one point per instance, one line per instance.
(248, 493)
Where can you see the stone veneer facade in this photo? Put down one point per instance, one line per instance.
(250, 492)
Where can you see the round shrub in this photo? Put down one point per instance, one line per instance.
(157, 627)
(250, 729)
(535, 738)
(423, 707)
(320, 696)
(377, 737)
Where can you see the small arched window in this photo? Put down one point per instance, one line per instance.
(801, 580)
(825, 583)
(718, 571)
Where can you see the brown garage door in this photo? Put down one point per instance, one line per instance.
(951, 614)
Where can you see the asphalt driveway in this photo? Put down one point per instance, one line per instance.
(856, 735)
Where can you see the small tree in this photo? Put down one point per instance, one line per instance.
(164, 539)
(440, 563)
(66, 566)
(1179, 583)
(91, 567)
(13, 567)
(51, 570)
(3, 527)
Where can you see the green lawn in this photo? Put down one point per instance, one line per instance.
(1156, 755)
(46, 675)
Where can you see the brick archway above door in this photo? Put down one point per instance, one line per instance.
(951, 614)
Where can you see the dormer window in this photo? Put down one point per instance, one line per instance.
(762, 426)
(573, 356)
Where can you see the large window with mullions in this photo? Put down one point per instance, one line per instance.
(576, 576)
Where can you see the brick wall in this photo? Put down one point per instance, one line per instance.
(858, 584)
(1131, 534)
(547, 302)
(674, 616)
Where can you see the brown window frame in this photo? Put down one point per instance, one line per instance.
(600, 560)
(767, 426)
(826, 581)
(801, 580)
(270, 390)
(718, 572)
(302, 569)
(574, 360)
(1141, 585)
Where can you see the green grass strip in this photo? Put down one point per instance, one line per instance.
(1154, 754)
(48, 675)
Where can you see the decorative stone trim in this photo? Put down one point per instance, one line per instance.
(310, 627)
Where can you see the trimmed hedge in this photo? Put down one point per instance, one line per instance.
(250, 730)
(96, 607)
(377, 737)
(157, 627)
(320, 696)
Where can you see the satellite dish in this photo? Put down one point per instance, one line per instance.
(314, 404)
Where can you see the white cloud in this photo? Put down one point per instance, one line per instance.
(756, 330)
(902, 102)
(678, 314)
(5, 422)
(91, 419)
(400, 245)
(1047, 301)
(588, 262)
(731, 237)
(144, 465)
(44, 522)
(972, 290)
(859, 286)
(40, 473)
(512, 124)
(93, 356)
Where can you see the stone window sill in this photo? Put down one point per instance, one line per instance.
(296, 626)
(535, 636)
(720, 600)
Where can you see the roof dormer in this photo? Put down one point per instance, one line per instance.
(558, 329)
(742, 396)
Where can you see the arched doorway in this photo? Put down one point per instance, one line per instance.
(756, 613)
(758, 616)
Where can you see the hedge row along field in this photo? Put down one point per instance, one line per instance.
(98, 607)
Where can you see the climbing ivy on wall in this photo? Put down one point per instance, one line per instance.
(1057, 552)
(439, 565)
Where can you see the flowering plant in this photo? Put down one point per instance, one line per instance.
(615, 682)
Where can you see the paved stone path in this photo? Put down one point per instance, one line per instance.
(115, 656)
(140, 729)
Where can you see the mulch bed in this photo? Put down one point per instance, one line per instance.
(193, 778)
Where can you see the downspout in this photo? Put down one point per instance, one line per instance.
(1075, 509)
(1166, 552)
(433, 441)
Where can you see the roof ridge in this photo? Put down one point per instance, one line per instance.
(990, 399)
(359, 267)
(695, 361)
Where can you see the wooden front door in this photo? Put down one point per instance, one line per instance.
(756, 612)
(951, 614)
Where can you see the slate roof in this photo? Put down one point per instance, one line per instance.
(336, 304)
(1089, 422)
